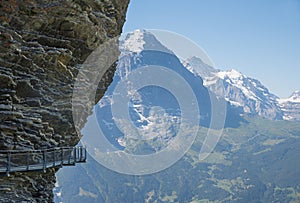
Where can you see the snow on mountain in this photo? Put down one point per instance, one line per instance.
(139, 49)
(134, 42)
(239, 90)
(294, 98)
(139, 40)
(248, 95)
(251, 88)
(291, 107)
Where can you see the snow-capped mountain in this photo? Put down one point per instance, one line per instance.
(294, 98)
(291, 107)
(245, 94)
(141, 49)
(239, 90)
(140, 40)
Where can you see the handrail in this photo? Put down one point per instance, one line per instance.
(29, 160)
(36, 150)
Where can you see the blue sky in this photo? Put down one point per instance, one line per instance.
(260, 38)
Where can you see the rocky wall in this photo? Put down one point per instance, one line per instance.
(42, 44)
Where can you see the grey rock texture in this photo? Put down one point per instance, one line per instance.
(42, 44)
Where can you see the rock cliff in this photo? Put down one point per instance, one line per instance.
(42, 44)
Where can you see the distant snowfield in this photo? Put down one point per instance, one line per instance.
(295, 98)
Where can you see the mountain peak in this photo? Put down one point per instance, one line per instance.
(141, 40)
(296, 95)
(294, 98)
(291, 107)
(134, 41)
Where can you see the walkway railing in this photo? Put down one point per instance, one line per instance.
(30, 160)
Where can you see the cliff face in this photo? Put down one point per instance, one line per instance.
(42, 44)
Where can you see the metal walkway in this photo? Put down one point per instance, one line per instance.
(30, 160)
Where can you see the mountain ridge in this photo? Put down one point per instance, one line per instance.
(246, 93)
(291, 107)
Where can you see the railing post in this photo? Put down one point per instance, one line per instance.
(44, 161)
(81, 154)
(62, 157)
(27, 160)
(8, 163)
(85, 154)
(70, 153)
(54, 157)
(75, 155)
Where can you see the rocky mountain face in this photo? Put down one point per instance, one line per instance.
(42, 46)
(291, 107)
(241, 91)
(244, 94)
(141, 49)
